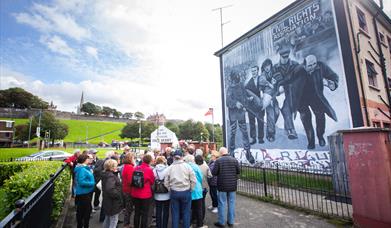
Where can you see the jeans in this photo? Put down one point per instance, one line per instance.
(180, 204)
(129, 207)
(162, 213)
(83, 211)
(213, 195)
(224, 198)
(141, 207)
(110, 221)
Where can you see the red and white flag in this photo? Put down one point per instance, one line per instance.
(209, 112)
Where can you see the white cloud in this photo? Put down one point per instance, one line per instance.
(171, 44)
(92, 51)
(57, 45)
(52, 20)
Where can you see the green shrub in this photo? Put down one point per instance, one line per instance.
(23, 184)
(8, 169)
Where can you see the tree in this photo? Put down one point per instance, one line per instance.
(20, 98)
(127, 115)
(49, 123)
(139, 115)
(116, 113)
(193, 130)
(172, 127)
(130, 131)
(107, 111)
(90, 108)
(218, 133)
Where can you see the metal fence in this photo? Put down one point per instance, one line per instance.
(27, 159)
(35, 211)
(303, 187)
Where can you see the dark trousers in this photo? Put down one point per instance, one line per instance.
(260, 126)
(96, 196)
(196, 212)
(306, 119)
(213, 195)
(128, 208)
(162, 213)
(141, 208)
(83, 210)
(243, 129)
(204, 192)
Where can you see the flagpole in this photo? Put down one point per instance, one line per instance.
(213, 127)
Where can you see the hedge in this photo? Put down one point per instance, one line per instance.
(24, 183)
(8, 169)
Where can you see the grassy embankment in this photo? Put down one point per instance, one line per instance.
(79, 130)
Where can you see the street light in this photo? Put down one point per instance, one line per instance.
(139, 133)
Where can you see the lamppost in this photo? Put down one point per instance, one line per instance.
(201, 136)
(139, 133)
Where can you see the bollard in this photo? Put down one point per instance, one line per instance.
(18, 209)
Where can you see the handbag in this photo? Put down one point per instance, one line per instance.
(158, 186)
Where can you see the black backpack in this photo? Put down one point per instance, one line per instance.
(158, 186)
(138, 178)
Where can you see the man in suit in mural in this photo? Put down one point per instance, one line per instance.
(290, 75)
(236, 97)
(318, 76)
(256, 124)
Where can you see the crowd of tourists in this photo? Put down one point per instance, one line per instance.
(155, 186)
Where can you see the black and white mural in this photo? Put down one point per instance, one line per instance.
(285, 90)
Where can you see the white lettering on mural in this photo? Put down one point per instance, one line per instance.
(299, 19)
(288, 157)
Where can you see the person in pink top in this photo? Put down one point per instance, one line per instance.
(142, 197)
(127, 172)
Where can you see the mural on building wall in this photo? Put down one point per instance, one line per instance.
(284, 88)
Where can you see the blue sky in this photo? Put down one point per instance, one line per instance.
(139, 55)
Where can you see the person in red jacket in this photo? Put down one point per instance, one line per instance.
(142, 197)
(127, 172)
(72, 162)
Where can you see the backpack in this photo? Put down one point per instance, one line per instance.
(138, 178)
(158, 185)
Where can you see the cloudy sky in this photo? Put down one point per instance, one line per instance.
(132, 55)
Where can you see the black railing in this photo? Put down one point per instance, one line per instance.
(35, 211)
(29, 159)
(309, 188)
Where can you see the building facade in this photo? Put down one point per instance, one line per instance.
(6, 133)
(370, 38)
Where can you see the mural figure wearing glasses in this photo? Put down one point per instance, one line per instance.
(318, 76)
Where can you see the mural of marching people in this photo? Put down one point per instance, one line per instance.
(285, 90)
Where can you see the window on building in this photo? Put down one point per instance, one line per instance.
(362, 22)
(386, 125)
(371, 72)
(8, 124)
(382, 38)
(7, 135)
(376, 124)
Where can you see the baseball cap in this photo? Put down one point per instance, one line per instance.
(92, 151)
(177, 153)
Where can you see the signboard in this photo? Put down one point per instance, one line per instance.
(285, 88)
(163, 135)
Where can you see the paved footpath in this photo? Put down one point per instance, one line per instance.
(250, 213)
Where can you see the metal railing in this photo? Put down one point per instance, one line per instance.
(309, 188)
(35, 211)
(28, 159)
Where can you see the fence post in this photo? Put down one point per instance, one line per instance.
(278, 176)
(264, 181)
(18, 208)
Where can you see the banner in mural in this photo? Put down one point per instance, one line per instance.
(284, 87)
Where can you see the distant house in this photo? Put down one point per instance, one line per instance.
(6, 133)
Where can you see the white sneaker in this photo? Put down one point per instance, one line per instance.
(93, 211)
(210, 207)
(215, 210)
(204, 226)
